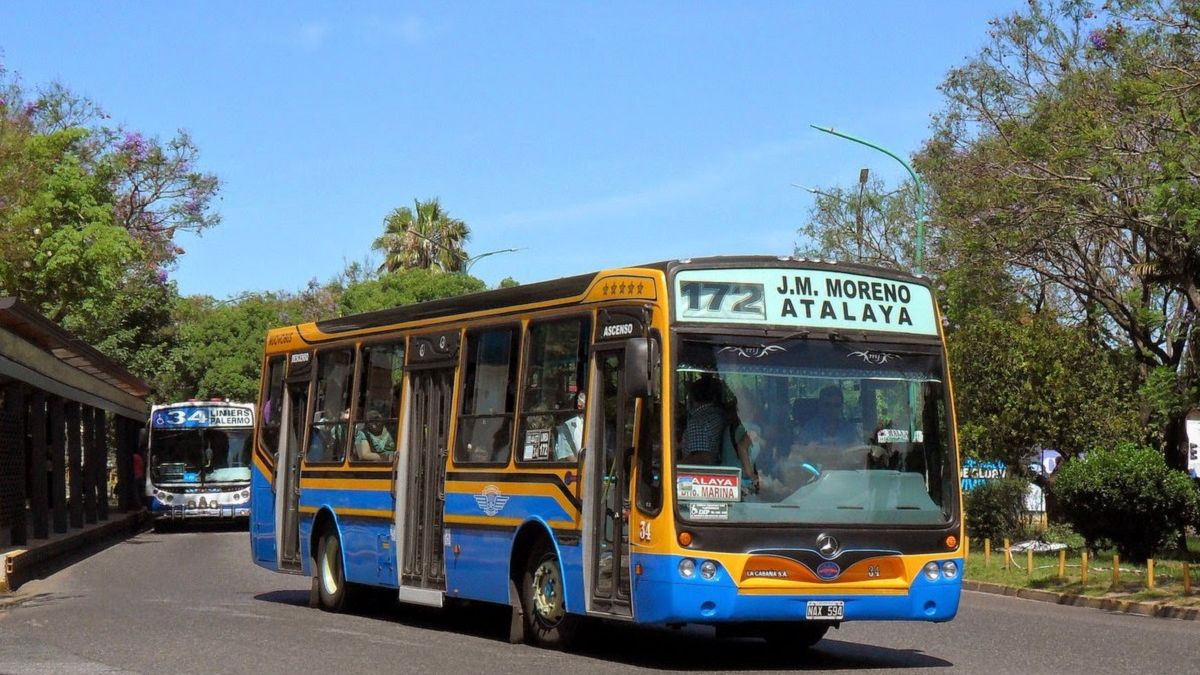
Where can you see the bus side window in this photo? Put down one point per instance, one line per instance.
(554, 397)
(271, 407)
(377, 417)
(328, 435)
(649, 461)
(488, 393)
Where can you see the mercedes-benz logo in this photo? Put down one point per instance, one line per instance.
(828, 546)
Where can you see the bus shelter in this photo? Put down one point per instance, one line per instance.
(69, 424)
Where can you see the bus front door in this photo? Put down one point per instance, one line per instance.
(610, 488)
(424, 479)
(295, 411)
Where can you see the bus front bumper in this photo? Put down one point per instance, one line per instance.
(663, 595)
(162, 511)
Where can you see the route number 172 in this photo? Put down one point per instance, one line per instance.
(722, 300)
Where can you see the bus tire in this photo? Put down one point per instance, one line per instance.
(547, 622)
(332, 590)
(790, 636)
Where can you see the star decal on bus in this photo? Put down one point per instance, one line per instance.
(491, 501)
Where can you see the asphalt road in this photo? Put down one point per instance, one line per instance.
(192, 602)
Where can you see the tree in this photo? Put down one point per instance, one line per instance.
(406, 287)
(885, 237)
(1069, 150)
(424, 237)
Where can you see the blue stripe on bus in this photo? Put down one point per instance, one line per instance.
(517, 506)
(480, 569)
(380, 500)
(661, 595)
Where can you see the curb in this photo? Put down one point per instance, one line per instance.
(1160, 610)
(23, 565)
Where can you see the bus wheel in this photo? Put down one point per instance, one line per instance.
(546, 620)
(331, 578)
(792, 635)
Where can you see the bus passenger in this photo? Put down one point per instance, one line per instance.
(568, 436)
(703, 432)
(373, 442)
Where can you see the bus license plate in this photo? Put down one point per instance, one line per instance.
(832, 610)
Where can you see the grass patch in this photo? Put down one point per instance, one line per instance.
(1131, 583)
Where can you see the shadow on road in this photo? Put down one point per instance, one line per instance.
(171, 526)
(690, 649)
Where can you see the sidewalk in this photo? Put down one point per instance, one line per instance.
(39, 557)
(1161, 610)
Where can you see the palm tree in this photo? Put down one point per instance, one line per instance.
(423, 237)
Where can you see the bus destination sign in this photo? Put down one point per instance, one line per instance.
(804, 299)
(196, 417)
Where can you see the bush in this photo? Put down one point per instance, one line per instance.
(996, 509)
(1127, 497)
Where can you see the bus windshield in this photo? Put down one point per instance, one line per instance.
(200, 456)
(808, 431)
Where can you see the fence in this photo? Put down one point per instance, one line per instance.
(1076, 571)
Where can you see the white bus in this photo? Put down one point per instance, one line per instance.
(198, 460)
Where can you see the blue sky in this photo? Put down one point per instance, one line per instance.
(588, 135)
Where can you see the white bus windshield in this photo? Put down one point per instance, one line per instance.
(199, 456)
(800, 431)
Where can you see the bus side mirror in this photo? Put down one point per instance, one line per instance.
(641, 354)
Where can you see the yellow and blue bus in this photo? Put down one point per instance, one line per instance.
(761, 444)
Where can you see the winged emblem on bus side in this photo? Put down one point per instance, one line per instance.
(752, 352)
(491, 501)
(876, 358)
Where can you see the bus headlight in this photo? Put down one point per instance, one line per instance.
(950, 569)
(932, 571)
(708, 569)
(687, 568)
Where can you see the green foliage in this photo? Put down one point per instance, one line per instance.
(88, 217)
(1067, 153)
(406, 287)
(1034, 383)
(508, 282)
(1127, 497)
(995, 509)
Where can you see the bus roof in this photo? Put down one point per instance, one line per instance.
(570, 289)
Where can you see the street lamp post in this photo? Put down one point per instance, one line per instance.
(858, 214)
(469, 261)
(919, 255)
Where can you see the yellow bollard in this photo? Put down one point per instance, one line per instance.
(1187, 578)
(966, 548)
(1083, 570)
(1007, 552)
(1150, 574)
(1029, 562)
(1062, 563)
(1116, 570)
(987, 552)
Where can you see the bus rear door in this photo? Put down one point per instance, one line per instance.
(421, 472)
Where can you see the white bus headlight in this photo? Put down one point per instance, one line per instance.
(708, 569)
(932, 571)
(687, 568)
(950, 569)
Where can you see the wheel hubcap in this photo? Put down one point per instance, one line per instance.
(329, 562)
(547, 592)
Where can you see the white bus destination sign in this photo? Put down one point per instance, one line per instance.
(804, 299)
